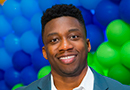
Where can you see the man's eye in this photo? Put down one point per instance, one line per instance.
(54, 40)
(73, 37)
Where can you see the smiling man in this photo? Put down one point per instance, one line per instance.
(66, 48)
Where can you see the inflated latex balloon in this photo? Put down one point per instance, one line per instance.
(1, 11)
(124, 9)
(12, 77)
(106, 12)
(47, 4)
(108, 55)
(44, 71)
(5, 27)
(1, 74)
(96, 36)
(17, 86)
(21, 60)
(38, 60)
(20, 25)
(118, 32)
(29, 42)
(90, 60)
(12, 43)
(87, 15)
(74, 2)
(3, 85)
(120, 73)
(28, 75)
(11, 8)
(90, 4)
(1, 43)
(116, 1)
(36, 23)
(5, 59)
(29, 8)
(40, 42)
(125, 54)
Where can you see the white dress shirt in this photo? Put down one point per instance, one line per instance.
(86, 84)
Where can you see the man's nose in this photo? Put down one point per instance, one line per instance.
(65, 45)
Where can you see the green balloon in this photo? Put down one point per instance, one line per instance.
(90, 59)
(17, 86)
(44, 71)
(125, 54)
(108, 55)
(120, 73)
(118, 32)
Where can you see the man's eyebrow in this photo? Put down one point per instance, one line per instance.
(50, 34)
(71, 30)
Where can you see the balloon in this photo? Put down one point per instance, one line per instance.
(29, 8)
(106, 12)
(87, 15)
(90, 60)
(90, 4)
(12, 77)
(108, 55)
(38, 60)
(44, 71)
(20, 25)
(5, 59)
(2, 2)
(124, 9)
(47, 4)
(74, 2)
(125, 54)
(5, 27)
(1, 11)
(29, 42)
(12, 43)
(118, 32)
(28, 75)
(3, 85)
(1, 43)
(120, 73)
(1, 74)
(21, 60)
(40, 42)
(116, 1)
(96, 36)
(11, 9)
(17, 86)
(36, 23)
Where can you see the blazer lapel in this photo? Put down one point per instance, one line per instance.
(45, 83)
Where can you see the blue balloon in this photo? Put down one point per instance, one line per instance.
(40, 42)
(124, 9)
(21, 60)
(5, 27)
(11, 8)
(36, 23)
(96, 36)
(1, 11)
(29, 8)
(44, 4)
(3, 85)
(1, 43)
(20, 25)
(106, 12)
(29, 42)
(38, 60)
(12, 43)
(12, 77)
(87, 15)
(5, 59)
(74, 2)
(1, 74)
(28, 75)
(116, 1)
(90, 4)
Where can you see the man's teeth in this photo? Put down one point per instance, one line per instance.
(68, 57)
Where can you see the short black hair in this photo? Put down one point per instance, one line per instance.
(59, 11)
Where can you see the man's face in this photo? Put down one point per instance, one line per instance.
(65, 46)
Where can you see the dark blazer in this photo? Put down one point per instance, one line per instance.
(100, 83)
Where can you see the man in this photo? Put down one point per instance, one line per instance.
(66, 48)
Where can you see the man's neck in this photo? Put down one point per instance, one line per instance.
(68, 83)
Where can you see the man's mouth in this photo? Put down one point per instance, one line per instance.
(67, 59)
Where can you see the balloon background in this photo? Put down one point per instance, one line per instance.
(21, 61)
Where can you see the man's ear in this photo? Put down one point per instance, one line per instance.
(44, 52)
(89, 45)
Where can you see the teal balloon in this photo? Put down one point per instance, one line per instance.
(20, 25)
(29, 42)
(5, 27)
(5, 59)
(11, 8)
(12, 43)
